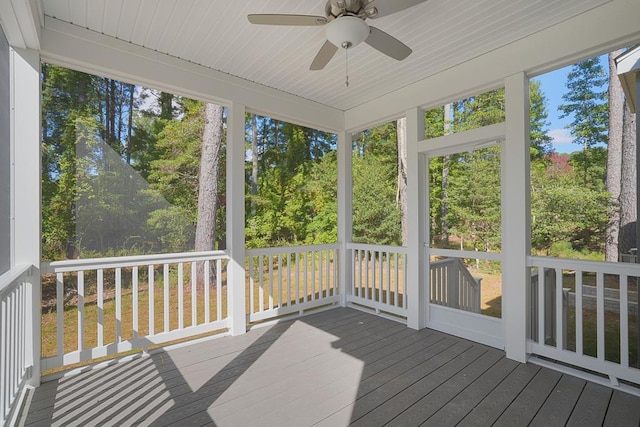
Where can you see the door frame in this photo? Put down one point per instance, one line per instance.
(473, 326)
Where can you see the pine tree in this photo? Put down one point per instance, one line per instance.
(540, 139)
(586, 103)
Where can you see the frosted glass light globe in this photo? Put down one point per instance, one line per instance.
(347, 31)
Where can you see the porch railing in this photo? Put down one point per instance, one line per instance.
(379, 279)
(287, 280)
(601, 336)
(111, 305)
(15, 338)
(452, 285)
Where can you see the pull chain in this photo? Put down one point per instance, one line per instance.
(346, 69)
(346, 46)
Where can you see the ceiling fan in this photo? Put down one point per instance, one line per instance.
(345, 27)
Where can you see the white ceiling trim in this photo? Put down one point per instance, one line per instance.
(78, 48)
(628, 65)
(21, 21)
(607, 27)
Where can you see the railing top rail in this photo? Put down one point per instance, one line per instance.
(278, 250)
(129, 261)
(455, 253)
(630, 269)
(379, 248)
(442, 262)
(10, 279)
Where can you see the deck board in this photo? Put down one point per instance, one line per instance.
(453, 412)
(591, 407)
(333, 368)
(560, 403)
(491, 408)
(623, 410)
(527, 404)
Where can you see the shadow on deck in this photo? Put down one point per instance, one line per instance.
(337, 367)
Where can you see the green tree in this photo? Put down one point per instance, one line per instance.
(376, 213)
(539, 138)
(174, 177)
(565, 210)
(283, 203)
(69, 99)
(376, 216)
(586, 104)
(474, 194)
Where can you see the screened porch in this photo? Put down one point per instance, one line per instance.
(335, 333)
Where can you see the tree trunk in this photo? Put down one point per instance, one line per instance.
(208, 183)
(130, 124)
(401, 195)
(166, 105)
(444, 207)
(112, 114)
(254, 160)
(614, 158)
(628, 201)
(107, 109)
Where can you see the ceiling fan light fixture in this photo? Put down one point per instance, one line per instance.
(347, 31)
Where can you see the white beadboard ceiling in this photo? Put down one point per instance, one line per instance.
(216, 34)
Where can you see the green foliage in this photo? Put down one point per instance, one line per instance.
(539, 139)
(173, 227)
(434, 123)
(322, 188)
(563, 209)
(564, 249)
(474, 195)
(478, 111)
(587, 105)
(295, 200)
(97, 153)
(592, 162)
(297, 181)
(376, 216)
(174, 173)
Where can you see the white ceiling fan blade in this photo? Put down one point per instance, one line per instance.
(387, 44)
(284, 19)
(387, 7)
(323, 56)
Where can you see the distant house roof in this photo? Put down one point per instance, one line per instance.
(628, 65)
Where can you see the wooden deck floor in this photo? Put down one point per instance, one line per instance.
(334, 368)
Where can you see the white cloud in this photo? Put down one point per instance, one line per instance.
(560, 136)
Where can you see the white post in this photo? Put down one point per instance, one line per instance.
(345, 214)
(416, 282)
(25, 140)
(516, 233)
(235, 219)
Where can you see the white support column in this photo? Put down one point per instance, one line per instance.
(235, 219)
(25, 140)
(516, 234)
(345, 214)
(416, 286)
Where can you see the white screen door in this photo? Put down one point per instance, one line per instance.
(463, 187)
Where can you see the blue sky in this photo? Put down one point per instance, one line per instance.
(553, 86)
